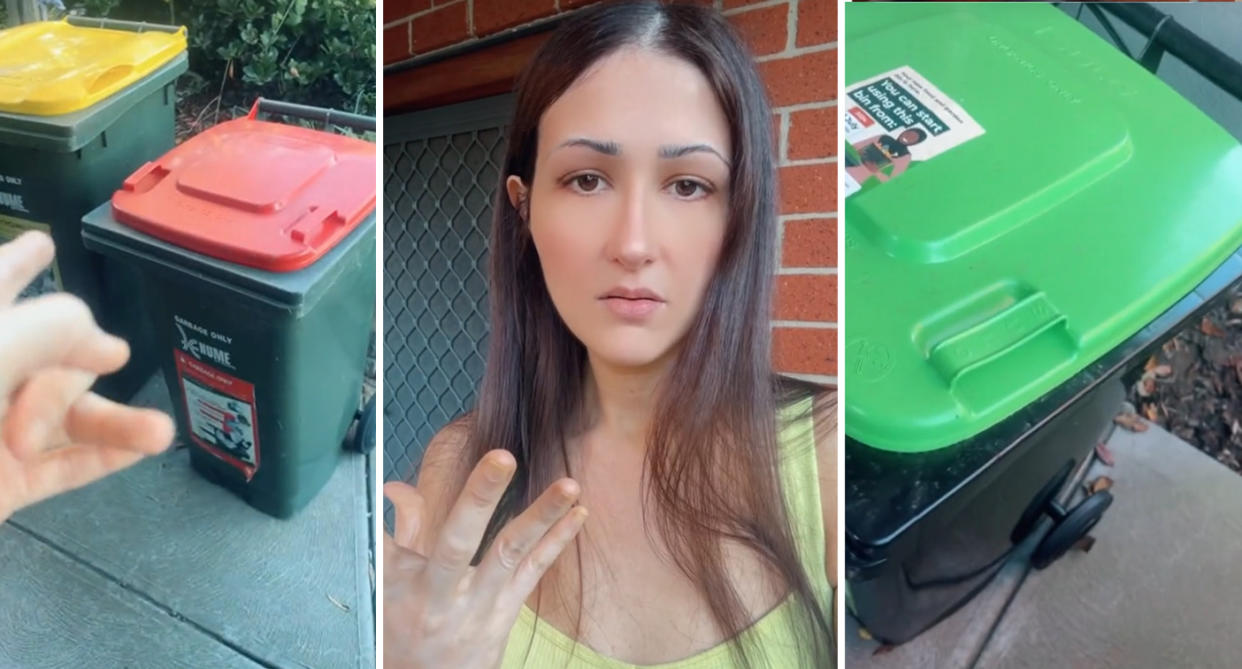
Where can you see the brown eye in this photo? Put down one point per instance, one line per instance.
(586, 182)
(687, 188)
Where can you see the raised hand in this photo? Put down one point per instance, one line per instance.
(55, 435)
(439, 611)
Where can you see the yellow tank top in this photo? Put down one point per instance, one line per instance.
(542, 646)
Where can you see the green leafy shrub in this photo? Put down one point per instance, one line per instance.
(319, 52)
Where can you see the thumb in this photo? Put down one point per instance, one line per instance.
(408, 504)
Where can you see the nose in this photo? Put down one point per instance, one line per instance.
(630, 242)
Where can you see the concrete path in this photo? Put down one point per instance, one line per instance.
(156, 567)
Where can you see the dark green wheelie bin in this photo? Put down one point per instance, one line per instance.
(257, 245)
(83, 103)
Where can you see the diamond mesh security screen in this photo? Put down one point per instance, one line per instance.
(441, 169)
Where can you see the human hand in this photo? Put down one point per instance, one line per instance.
(56, 435)
(441, 612)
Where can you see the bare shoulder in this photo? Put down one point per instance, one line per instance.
(824, 413)
(825, 416)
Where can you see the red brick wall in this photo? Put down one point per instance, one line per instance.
(794, 42)
(415, 27)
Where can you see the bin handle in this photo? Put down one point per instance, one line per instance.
(1006, 352)
(328, 117)
(117, 24)
(109, 77)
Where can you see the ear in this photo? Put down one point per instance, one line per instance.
(518, 194)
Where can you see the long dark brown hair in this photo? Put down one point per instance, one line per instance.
(711, 470)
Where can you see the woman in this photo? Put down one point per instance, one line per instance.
(629, 372)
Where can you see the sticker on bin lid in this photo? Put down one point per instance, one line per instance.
(265, 195)
(895, 120)
(57, 67)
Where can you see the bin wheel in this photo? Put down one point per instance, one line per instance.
(1070, 527)
(364, 436)
(1035, 510)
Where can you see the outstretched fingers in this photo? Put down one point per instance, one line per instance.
(544, 554)
(522, 535)
(21, 260)
(462, 533)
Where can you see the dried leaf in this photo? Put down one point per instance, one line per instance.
(1146, 386)
(1151, 364)
(886, 648)
(864, 634)
(1150, 411)
(1102, 452)
(1228, 459)
(1101, 483)
(1085, 544)
(1131, 422)
(1169, 346)
(1236, 306)
(339, 605)
(1210, 329)
(1162, 370)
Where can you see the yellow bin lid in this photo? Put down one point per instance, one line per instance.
(57, 67)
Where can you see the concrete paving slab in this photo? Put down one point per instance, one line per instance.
(291, 593)
(58, 614)
(1162, 586)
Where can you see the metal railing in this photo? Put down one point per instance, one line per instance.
(1163, 34)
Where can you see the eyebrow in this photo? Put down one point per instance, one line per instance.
(679, 151)
(606, 148)
(666, 151)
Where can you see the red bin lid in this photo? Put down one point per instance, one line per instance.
(266, 195)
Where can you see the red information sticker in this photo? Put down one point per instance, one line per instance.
(861, 116)
(221, 413)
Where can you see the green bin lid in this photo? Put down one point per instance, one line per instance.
(1055, 199)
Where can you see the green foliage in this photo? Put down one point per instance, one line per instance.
(94, 7)
(319, 52)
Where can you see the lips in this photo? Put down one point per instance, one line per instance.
(632, 304)
(624, 293)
